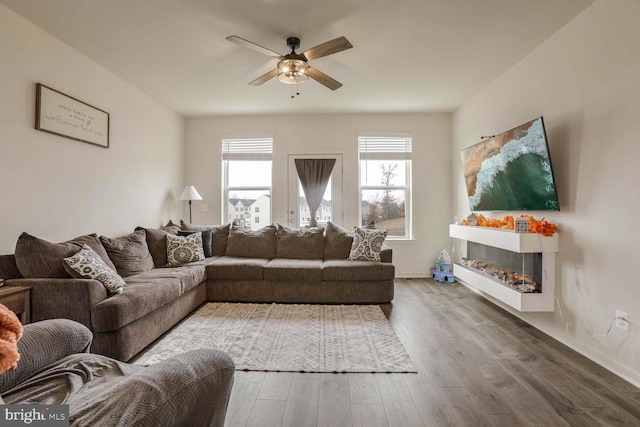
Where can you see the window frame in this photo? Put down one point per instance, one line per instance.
(387, 148)
(245, 149)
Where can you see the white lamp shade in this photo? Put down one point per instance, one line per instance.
(190, 193)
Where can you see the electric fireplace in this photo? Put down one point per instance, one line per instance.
(517, 269)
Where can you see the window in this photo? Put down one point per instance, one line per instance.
(257, 220)
(385, 183)
(247, 180)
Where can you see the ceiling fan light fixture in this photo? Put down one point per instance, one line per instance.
(293, 71)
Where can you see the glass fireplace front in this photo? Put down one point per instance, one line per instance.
(519, 271)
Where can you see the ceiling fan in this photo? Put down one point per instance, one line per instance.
(294, 67)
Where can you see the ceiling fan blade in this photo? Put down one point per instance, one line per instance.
(251, 45)
(327, 48)
(263, 78)
(322, 78)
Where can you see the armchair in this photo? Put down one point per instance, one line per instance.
(55, 368)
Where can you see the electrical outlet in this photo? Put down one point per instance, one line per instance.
(622, 320)
(204, 208)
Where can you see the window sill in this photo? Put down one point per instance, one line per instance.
(399, 242)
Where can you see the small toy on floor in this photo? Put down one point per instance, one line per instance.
(442, 271)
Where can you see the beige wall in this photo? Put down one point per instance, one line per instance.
(57, 188)
(335, 134)
(584, 81)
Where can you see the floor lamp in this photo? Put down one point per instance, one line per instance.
(190, 193)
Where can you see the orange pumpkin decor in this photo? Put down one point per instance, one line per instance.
(535, 226)
(542, 226)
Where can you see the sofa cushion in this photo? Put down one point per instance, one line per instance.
(137, 300)
(236, 268)
(252, 244)
(37, 257)
(189, 275)
(283, 269)
(219, 236)
(367, 244)
(337, 242)
(157, 242)
(130, 253)
(206, 239)
(300, 244)
(344, 270)
(87, 264)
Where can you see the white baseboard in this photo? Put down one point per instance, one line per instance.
(412, 275)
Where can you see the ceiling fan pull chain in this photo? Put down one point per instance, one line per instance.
(296, 93)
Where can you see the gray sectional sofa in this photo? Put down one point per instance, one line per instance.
(274, 264)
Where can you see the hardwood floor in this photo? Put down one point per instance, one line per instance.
(477, 365)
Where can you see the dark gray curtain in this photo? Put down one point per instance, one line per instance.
(314, 175)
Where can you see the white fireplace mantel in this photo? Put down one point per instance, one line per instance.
(515, 242)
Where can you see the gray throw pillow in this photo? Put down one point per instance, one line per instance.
(157, 242)
(37, 257)
(252, 244)
(337, 242)
(300, 244)
(130, 253)
(219, 236)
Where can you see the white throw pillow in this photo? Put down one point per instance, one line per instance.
(183, 249)
(367, 244)
(88, 264)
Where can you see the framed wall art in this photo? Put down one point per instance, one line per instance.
(63, 115)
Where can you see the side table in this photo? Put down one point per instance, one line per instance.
(18, 300)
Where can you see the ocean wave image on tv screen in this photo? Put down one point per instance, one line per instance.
(511, 171)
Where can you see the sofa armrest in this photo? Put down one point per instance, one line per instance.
(44, 343)
(8, 267)
(190, 389)
(63, 298)
(386, 254)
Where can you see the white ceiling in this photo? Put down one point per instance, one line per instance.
(408, 55)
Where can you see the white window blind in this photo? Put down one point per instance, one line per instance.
(384, 147)
(247, 149)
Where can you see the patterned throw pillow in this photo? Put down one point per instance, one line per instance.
(89, 265)
(183, 249)
(206, 240)
(367, 244)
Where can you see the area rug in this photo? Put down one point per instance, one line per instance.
(289, 337)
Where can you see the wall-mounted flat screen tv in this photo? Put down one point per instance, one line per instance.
(511, 171)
